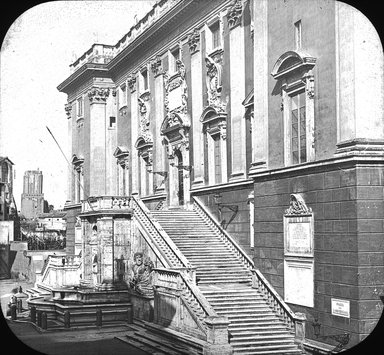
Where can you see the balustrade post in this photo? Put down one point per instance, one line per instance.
(217, 337)
(299, 325)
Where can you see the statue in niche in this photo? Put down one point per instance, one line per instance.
(213, 82)
(141, 275)
(120, 268)
(95, 268)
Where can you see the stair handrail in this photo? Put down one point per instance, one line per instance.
(273, 297)
(212, 218)
(194, 291)
(157, 227)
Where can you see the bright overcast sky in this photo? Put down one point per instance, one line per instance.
(35, 58)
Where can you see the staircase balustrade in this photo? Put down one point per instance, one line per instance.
(165, 245)
(294, 321)
(60, 261)
(179, 280)
(211, 220)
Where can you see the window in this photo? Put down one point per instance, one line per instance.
(112, 122)
(80, 107)
(295, 72)
(144, 75)
(216, 38)
(123, 95)
(298, 34)
(298, 129)
(217, 158)
(175, 55)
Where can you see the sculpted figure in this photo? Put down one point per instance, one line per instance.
(141, 278)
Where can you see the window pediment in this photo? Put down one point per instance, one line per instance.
(77, 160)
(121, 152)
(291, 62)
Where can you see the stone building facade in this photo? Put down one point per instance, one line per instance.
(32, 198)
(271, 113)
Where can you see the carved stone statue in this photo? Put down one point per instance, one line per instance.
(141, 276)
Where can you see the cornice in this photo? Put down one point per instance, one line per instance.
(87, 71)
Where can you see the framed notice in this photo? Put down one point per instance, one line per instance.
(340, 307)
(298, 282)
(298, 236)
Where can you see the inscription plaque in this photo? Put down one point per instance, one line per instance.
(175, 98)
(340, 307)
(298, 282)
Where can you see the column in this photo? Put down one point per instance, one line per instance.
(97, 175)
(359, 77)
(158, 163)
(261, 75)
(237, 84)
(197, 109)
(134, 133)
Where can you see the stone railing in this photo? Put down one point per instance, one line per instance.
(103, 203)
(174, 289)
(294, 321)
(171, 256)
(199, 207)
(65, 263)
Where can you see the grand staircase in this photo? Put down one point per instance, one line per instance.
(225, 281)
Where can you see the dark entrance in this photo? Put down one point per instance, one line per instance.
(180, 179)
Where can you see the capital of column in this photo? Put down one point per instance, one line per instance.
(98, 95)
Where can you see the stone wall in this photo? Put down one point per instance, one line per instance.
(348, 208)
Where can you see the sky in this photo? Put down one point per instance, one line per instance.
(35, 56)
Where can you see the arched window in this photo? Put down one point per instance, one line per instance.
(293, 70)
(215, 150)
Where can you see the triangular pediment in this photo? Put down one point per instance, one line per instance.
(248, 101)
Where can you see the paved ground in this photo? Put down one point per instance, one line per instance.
(21, 337)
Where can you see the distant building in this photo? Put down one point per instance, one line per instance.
(54, 220)
(6, 188)
(32, 198)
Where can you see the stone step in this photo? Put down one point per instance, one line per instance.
(251, 312)
(152, 344)
(251, 336)
(235, 307)
(265, 351)
(248, 351)
(260, 325)
(267, 347)
(260, 332)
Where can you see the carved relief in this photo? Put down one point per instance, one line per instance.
(194, 41)
(297, 206)
(144, 117)
(214, 85)
(140, 279)
(68, 109)
(156, 66)
(98, 95)
(120, 202)
(223, 130)
(175, 102)
(132, 82)
(310, 86)
(234, 13)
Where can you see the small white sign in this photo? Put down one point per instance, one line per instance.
(340, 308)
